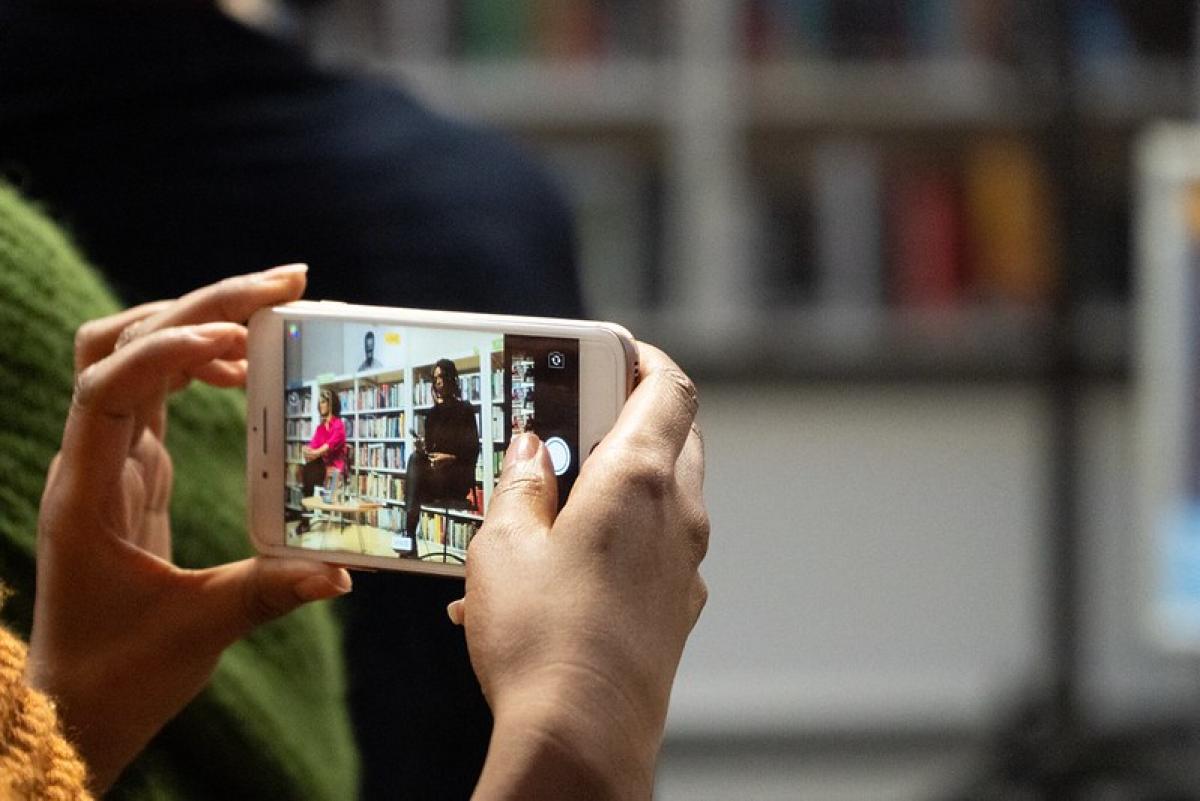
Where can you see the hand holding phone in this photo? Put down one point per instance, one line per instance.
(608, 589)
(122, 638)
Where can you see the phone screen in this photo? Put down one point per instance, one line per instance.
(396, 434)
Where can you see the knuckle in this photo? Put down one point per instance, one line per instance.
(649, 476)
(86, 386)
(681, 386)
(523, 484)
(699, 597)
(226, 294)
(698, 530)
(256, 606)
(85, 335)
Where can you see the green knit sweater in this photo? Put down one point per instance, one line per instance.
(273, 723)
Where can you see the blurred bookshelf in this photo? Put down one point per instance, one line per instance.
(852, 189)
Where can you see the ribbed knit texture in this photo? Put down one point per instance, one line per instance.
(273, 723)
(36, 761)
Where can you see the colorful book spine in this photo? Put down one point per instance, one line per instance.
(927, 227)
(1010, 219)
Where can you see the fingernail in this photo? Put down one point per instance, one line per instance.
(283, 271)
(523, 448)
(454, 610)
(316, 588)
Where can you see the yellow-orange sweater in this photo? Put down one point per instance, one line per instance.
(36, 761)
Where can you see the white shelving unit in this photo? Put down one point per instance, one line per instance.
(701, 113)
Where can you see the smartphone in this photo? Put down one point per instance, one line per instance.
(375, 436)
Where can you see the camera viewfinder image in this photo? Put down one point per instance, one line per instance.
(395, 435)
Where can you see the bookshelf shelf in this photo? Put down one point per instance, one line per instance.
(812, 93)
(525, 95)
(1130, 90)
(1006, 343)
(942, 92)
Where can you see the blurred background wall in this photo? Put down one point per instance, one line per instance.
(890, 239)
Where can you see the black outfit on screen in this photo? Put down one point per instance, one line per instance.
(179, 147)
(449, 428)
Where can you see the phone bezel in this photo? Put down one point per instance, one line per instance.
(607, 371)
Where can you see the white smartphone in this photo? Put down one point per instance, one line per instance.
(375, 436)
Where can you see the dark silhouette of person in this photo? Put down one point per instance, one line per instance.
(442, 467)
(181, 147)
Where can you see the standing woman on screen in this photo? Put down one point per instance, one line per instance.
(326, 450)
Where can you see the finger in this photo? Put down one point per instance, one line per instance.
(95, 339)
(455, 610)
(223, 373)
(657, 417)
(527, 496)
(111, 394)
(231, 300)
(234, 599)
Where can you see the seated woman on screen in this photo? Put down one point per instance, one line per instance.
(326, 451)
(442, 467)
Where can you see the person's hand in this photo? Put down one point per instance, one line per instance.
(122, 638)
(576, 625)
(441, 460)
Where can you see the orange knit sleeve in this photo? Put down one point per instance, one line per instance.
(36, 761)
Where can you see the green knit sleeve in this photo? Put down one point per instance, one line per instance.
(273, 723)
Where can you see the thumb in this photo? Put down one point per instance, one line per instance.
(240, 596)
(524, 502)
(527, 496)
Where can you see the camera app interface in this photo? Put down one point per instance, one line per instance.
(395, 435)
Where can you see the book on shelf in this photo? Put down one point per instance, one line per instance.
(299, 403)
(782, 229)
(925, 220)
(877, 30)
(377, 455)
(387, 395)
(438, 530)
(389, 425)
(471, 385)
(416, 30)
(497, 463)
(299, 428)
(778, 29)
(866, 29)
(560, 31)
(847, 205)
(496, 29)
(568, 30)
(1010, 220)
(423, 392)
(380, 486)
